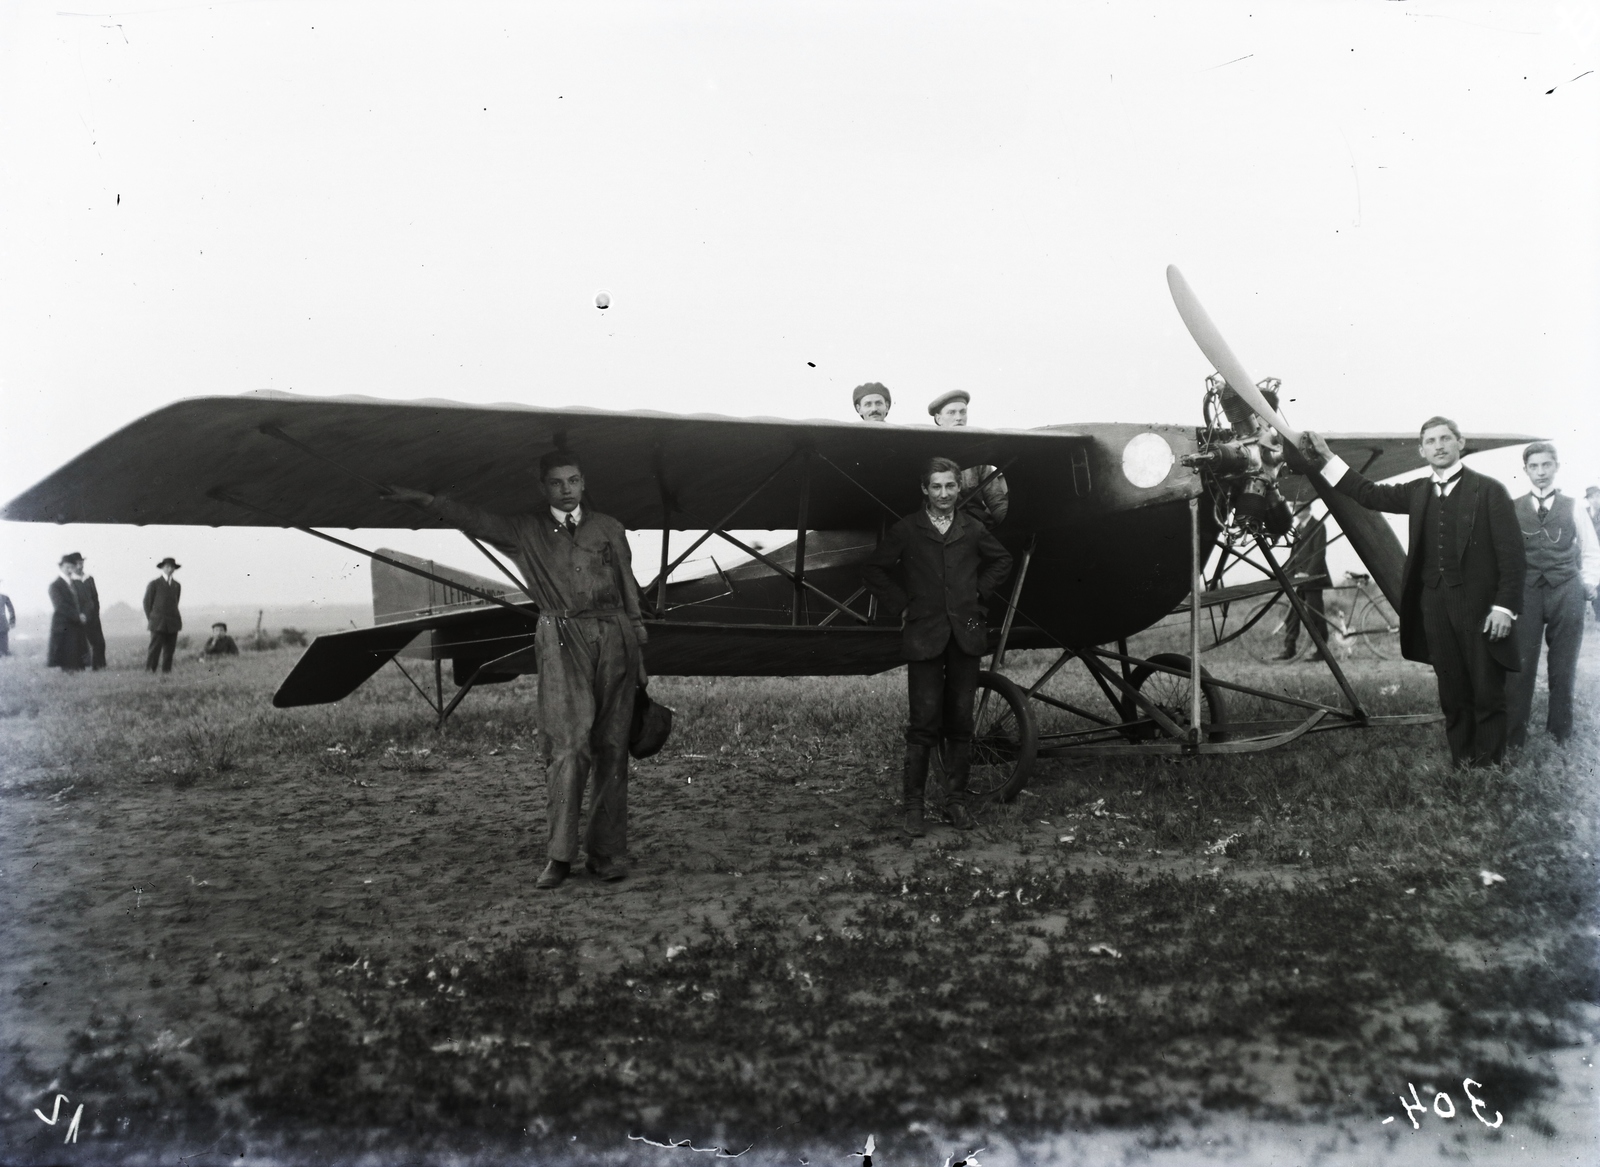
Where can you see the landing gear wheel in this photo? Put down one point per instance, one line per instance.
(1170, 694)
(1004, 741)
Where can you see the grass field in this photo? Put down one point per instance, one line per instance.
(239, 933)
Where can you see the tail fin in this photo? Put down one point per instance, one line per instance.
(399, 595)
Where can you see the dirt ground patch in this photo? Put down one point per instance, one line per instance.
(295, 935)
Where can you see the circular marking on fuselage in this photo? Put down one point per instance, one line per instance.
(1146, 460)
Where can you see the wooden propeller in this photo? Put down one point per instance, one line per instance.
(1369, 533)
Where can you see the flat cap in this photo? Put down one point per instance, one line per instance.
(867, 390)
(945, 399)
(70, 557)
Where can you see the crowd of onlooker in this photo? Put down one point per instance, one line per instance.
(78, 641)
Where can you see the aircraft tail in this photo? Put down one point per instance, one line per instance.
(399, 595)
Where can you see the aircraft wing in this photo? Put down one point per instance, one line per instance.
(1380, 456)
(307, 461)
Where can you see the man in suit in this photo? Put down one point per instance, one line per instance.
(1563, 556)
(872, 401)
(161, 611)
(8, 621)
(1310, 557)
(949, 567)
(69, 646)
(589, 642)
(89, 604)
(1463, 582)
(1591, 499)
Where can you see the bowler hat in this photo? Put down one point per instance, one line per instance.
(652, 722)
(71, 557)
(945, 399)
(167, 560)
(867, 390)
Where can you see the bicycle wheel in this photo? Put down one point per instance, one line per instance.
(1004, 741)
(1264, 641)
(1374, 632)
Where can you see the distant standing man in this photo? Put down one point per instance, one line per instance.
(992, 501)
(1463, 582)
(1310, 557)
(1591, 498)
(69, 646)
(1563, 555)
(872, 401)
(949, 567)
(89, 604)
(8, 621)
(589, 642)
(161, 612)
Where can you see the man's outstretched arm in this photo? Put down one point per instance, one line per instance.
(1346, 480)
(497, 529)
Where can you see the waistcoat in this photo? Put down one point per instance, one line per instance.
(1441, 562)
(1551, 547)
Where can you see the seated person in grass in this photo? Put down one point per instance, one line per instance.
(220, 644)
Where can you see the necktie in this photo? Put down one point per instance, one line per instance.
(1544, 507)
(572, 527)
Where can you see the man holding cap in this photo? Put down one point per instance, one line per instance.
(872, 401)
(69, 642)
(161, 610)
(950, 409)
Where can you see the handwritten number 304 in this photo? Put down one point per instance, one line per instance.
(55, 1113)
(1416, 1105)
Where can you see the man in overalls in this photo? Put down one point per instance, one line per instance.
(578, 569)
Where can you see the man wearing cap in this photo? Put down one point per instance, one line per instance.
(872, 401)
(220, 643)
(1558, 542)
(939, 567)
(589, 643)
(69, 646)
(988, 496)
(1463, 581)
(161, 612)
(89, 604)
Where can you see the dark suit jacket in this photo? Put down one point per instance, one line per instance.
(1487, 538)
(947, 581)
(161, 605)
(68, 647)
(89, 604)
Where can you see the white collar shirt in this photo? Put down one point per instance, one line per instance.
(560, 516)
(1447, 480)
(942, 525)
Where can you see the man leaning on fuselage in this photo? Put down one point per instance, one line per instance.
(579, 570)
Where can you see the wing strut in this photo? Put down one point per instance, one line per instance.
(228, 497)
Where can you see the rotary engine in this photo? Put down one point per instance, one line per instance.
(1240, 458)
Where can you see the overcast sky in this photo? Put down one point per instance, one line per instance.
(1390, 205)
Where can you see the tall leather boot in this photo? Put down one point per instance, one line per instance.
(954, 780)
(916, 777)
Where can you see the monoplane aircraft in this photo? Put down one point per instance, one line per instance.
(1112, 527)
